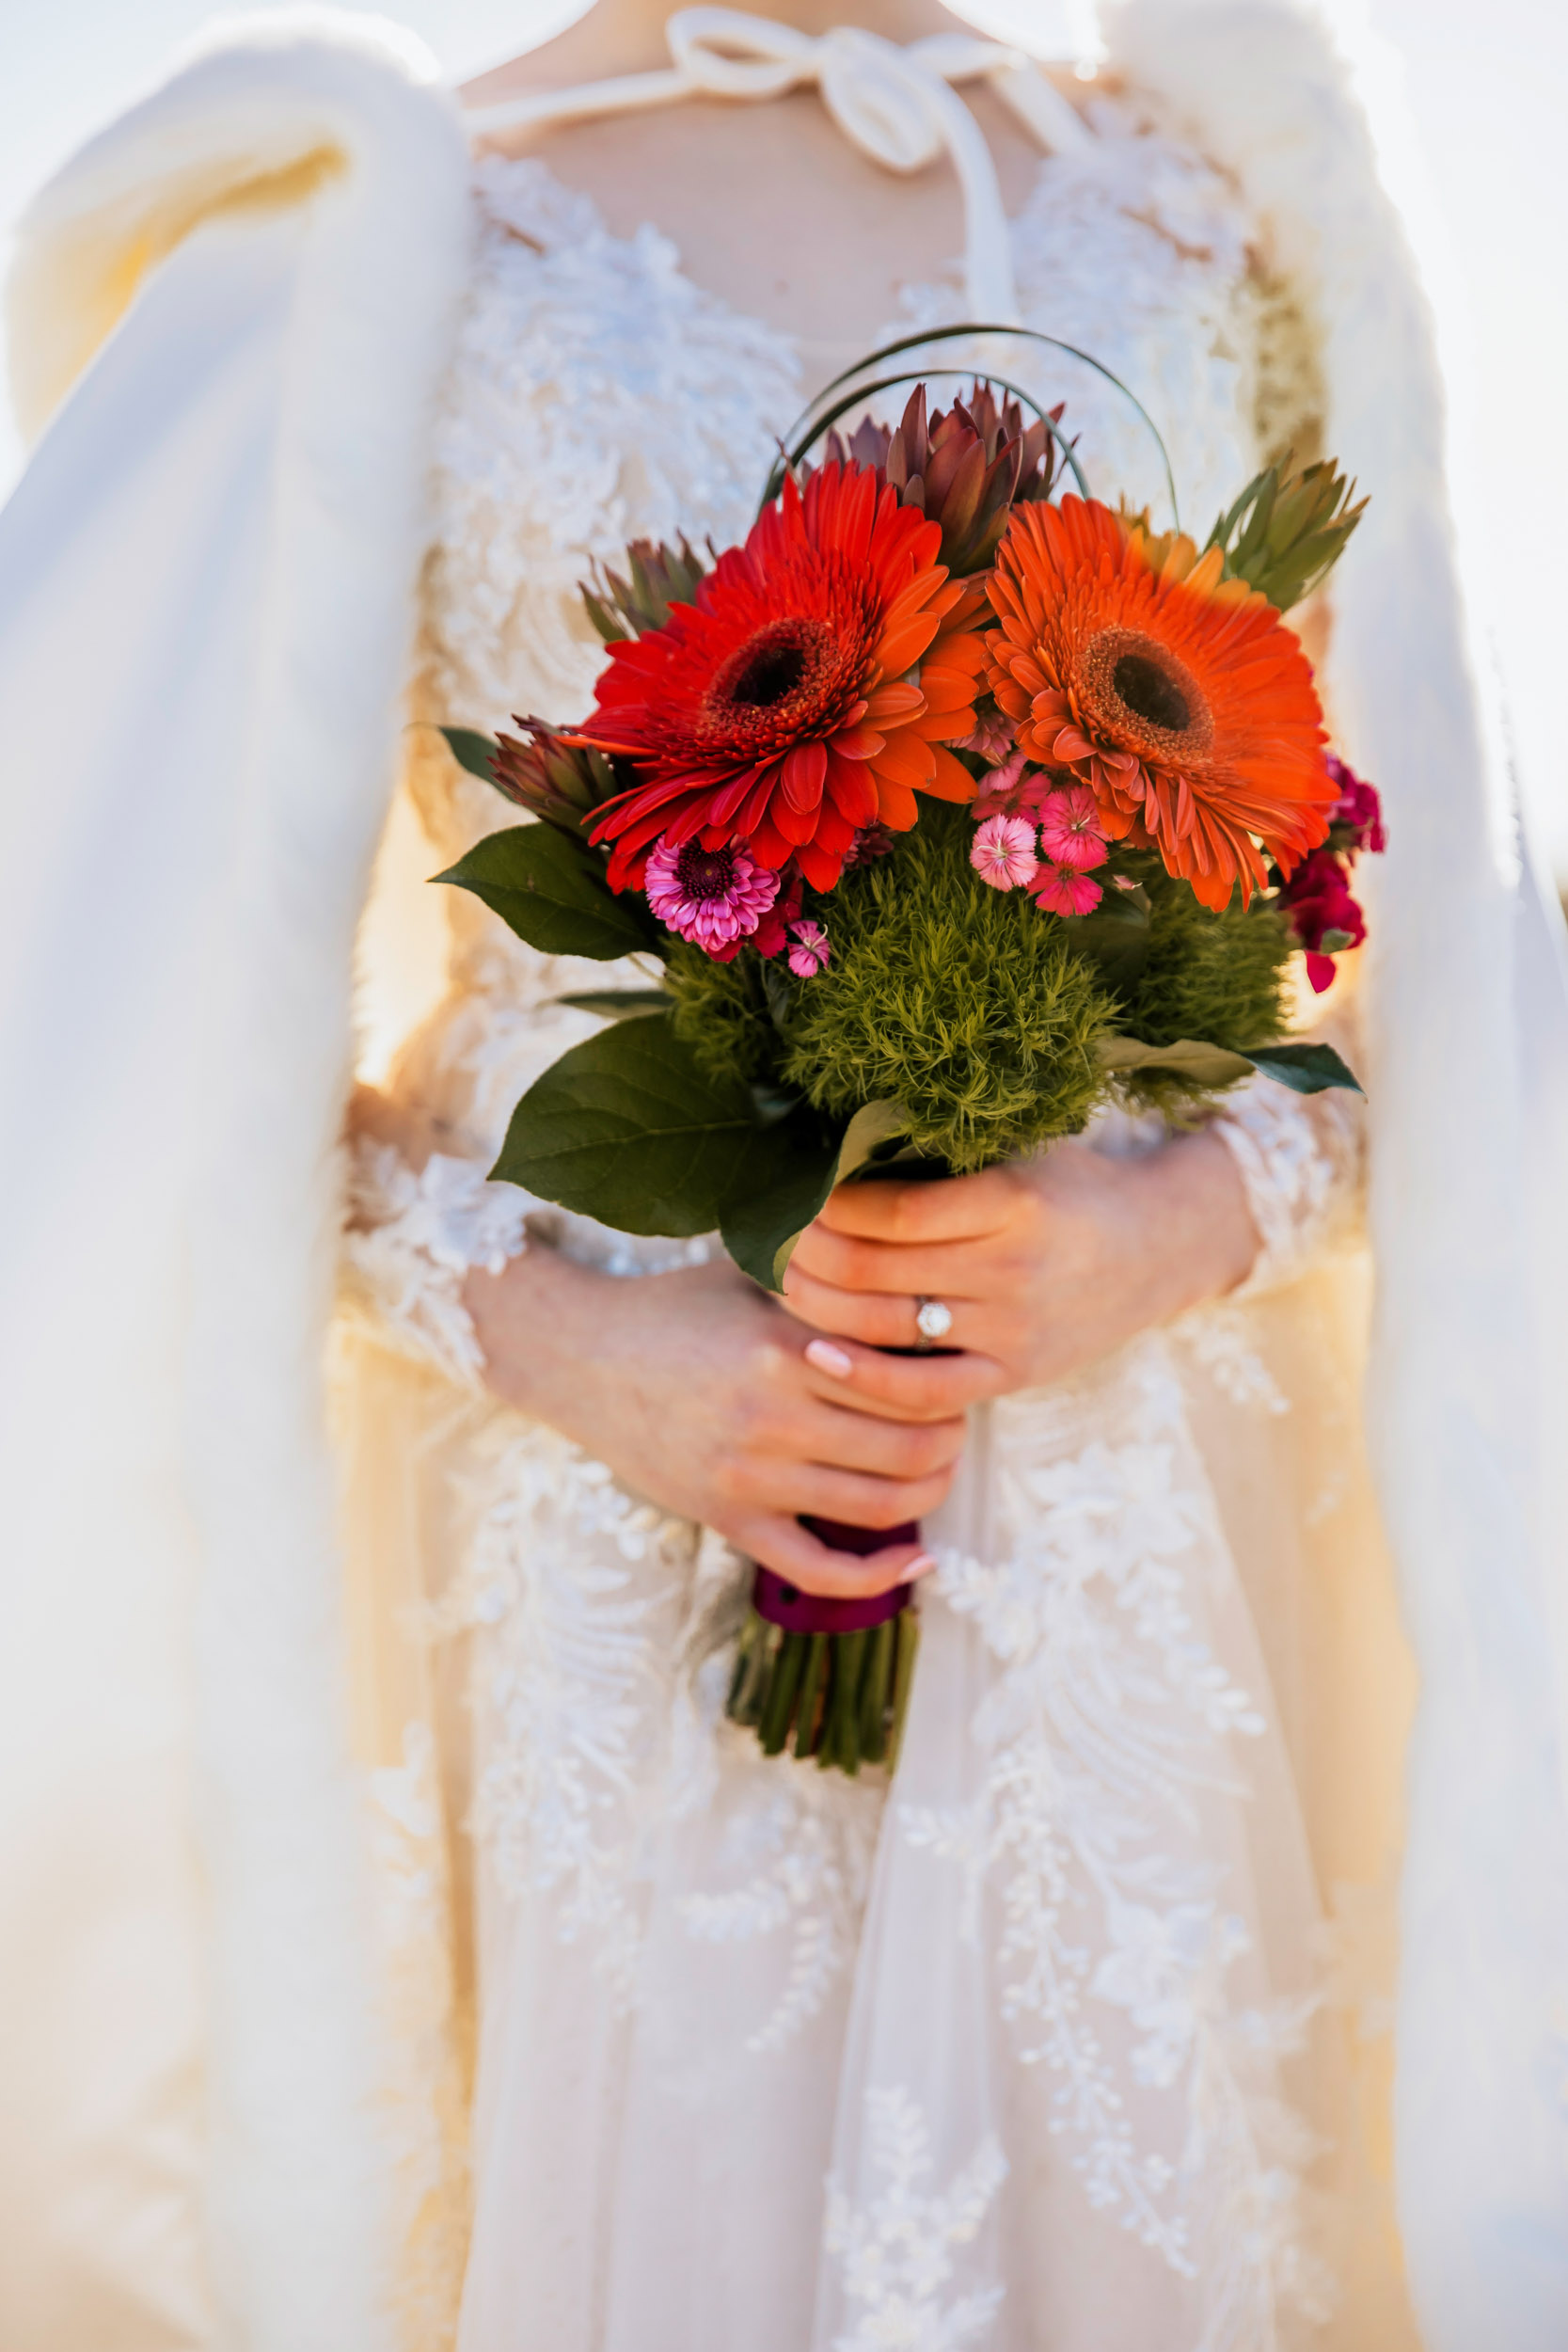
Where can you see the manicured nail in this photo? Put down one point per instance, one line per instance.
(921, 1567)
(831, 1359)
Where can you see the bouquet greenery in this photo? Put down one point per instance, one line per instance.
(942, 812)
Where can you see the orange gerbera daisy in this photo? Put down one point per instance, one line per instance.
(781, 709)
(1178, 697)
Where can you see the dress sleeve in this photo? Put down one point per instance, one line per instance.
(1301, 1161)
(410, 1240)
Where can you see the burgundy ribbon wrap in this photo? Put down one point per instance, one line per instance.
(783, 1604)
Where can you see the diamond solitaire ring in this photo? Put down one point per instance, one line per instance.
(932, 1320)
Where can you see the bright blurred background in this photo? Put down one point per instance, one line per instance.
(1482, 86)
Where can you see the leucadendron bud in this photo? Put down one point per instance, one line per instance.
(559, 780)
(963, 467)
(661, 576)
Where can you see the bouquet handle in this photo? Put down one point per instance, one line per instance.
(834, 1671)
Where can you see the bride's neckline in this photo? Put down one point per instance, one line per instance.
(896, 105)
(807, 353)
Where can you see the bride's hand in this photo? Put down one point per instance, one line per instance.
(1045, 1265)
(701, 1393)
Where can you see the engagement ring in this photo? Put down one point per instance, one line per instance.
(932, 1320)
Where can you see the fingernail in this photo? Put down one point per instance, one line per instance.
(921, 1567)
(831, 1359)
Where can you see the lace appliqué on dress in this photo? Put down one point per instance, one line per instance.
(1299, 1158)
(577, 1589)
(895, 2253)
(410, 1242)
(1109, 1725)
(803, 1850)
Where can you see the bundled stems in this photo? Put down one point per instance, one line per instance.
(842, 1697)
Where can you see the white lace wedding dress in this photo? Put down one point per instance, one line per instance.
(1040, 2046)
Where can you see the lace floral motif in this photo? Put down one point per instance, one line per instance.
(896, 2255)
(411, 1241)
(805, 1848)
(1299, 1158)
(577, 1589)
(1217, 1337)
(1106, 1734)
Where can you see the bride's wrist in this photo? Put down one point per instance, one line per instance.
(529, 1320)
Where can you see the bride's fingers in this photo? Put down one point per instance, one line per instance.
(949, 1270)
(959, 1208)
(791, 1550)
(879, 1320)
(855, 1497)
(902, 1388)
(841, 1440)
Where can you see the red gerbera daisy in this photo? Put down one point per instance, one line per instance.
(1178, 697)
(779, 710)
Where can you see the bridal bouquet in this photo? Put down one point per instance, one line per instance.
(942, 811)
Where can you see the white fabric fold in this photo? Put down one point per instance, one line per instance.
(205, 594)
(1467, 1079)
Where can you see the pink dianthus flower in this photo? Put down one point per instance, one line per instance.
(714, 897)
(809, 949)
(1070, 827)
(1063, 890)
(1003, 851)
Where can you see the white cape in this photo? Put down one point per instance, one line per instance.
(229, 314)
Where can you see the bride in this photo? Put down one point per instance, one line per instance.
(400, 1945)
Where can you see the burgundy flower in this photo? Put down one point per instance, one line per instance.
(1323, 912)
(772, 932)
(871, 841)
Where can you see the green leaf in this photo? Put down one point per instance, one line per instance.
(1307, 1068)
(626, 1128)
(761, 1227)
(473, 751)
(781, 1188)
(617, 1003)
(551, 891)
(1189, 1057)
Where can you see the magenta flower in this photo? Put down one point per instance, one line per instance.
(1003, 851)
(809, 949)
(1355, 821)
(1063, 890)
(714, 897)
(1070, 827)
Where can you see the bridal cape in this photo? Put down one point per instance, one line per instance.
(232, 314)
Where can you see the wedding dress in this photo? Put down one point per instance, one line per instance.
(1030, 2011)
(1075, 2033)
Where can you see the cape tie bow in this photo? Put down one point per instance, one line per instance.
(897, 105)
